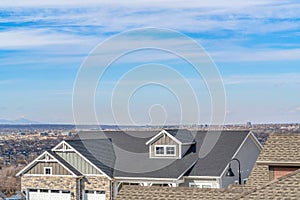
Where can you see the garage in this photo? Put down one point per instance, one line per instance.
(43, 194)
(94, 195)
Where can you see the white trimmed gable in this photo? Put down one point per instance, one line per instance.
(160, 134)
(45, 157)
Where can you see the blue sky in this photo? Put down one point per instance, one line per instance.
(255, 45)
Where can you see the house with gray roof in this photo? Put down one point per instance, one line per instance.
(276, 175)
(96, 165)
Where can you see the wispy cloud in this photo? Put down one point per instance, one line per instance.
(294, 110)
(252, 55)
(57, 33)
(191, 16)
(32, 38)
(274, 79)
(45, 23)
(155, 3)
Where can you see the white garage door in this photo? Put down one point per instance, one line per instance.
(94, 195)
(41, 194)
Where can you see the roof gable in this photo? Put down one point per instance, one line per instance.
(180, 136)
(48, 156)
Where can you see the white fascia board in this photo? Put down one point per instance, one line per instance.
(190, 143)
(201, 177)
(256, 141)
(54, 148)
(144, 178)
(159, 134)
(31, 163)
(280, 163)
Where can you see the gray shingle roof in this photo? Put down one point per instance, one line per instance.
(183, 135)
(125, 154)
(223, 151)
(65, 163)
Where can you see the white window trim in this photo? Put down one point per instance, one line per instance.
(165, 151)
(45, 168)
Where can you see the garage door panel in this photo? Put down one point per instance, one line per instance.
(94, 195)
(37, 195)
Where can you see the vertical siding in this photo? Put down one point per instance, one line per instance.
(248, 155)
(78, 162)
(57, 169)
(164, 140)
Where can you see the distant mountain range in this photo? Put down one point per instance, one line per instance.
(18, 121)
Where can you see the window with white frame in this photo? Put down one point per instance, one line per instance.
(48, 170)
(170, 150)
(159, 150)
(200, 185)
(165, 150)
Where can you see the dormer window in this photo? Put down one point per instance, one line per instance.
(170, 150)
(170, 144)
(159, 150)
(165, 150)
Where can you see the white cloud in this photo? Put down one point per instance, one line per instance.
(274, 79)
(190, 16)
(129, 3)
(53, 23)
(30, 38)
(252, 55)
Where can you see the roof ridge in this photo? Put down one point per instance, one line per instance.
(285, 134)
(79, 139)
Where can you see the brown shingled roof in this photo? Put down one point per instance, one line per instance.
(281, 148)
(285, 187)
(173, 193)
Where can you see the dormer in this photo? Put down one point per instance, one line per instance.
(170, 143)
